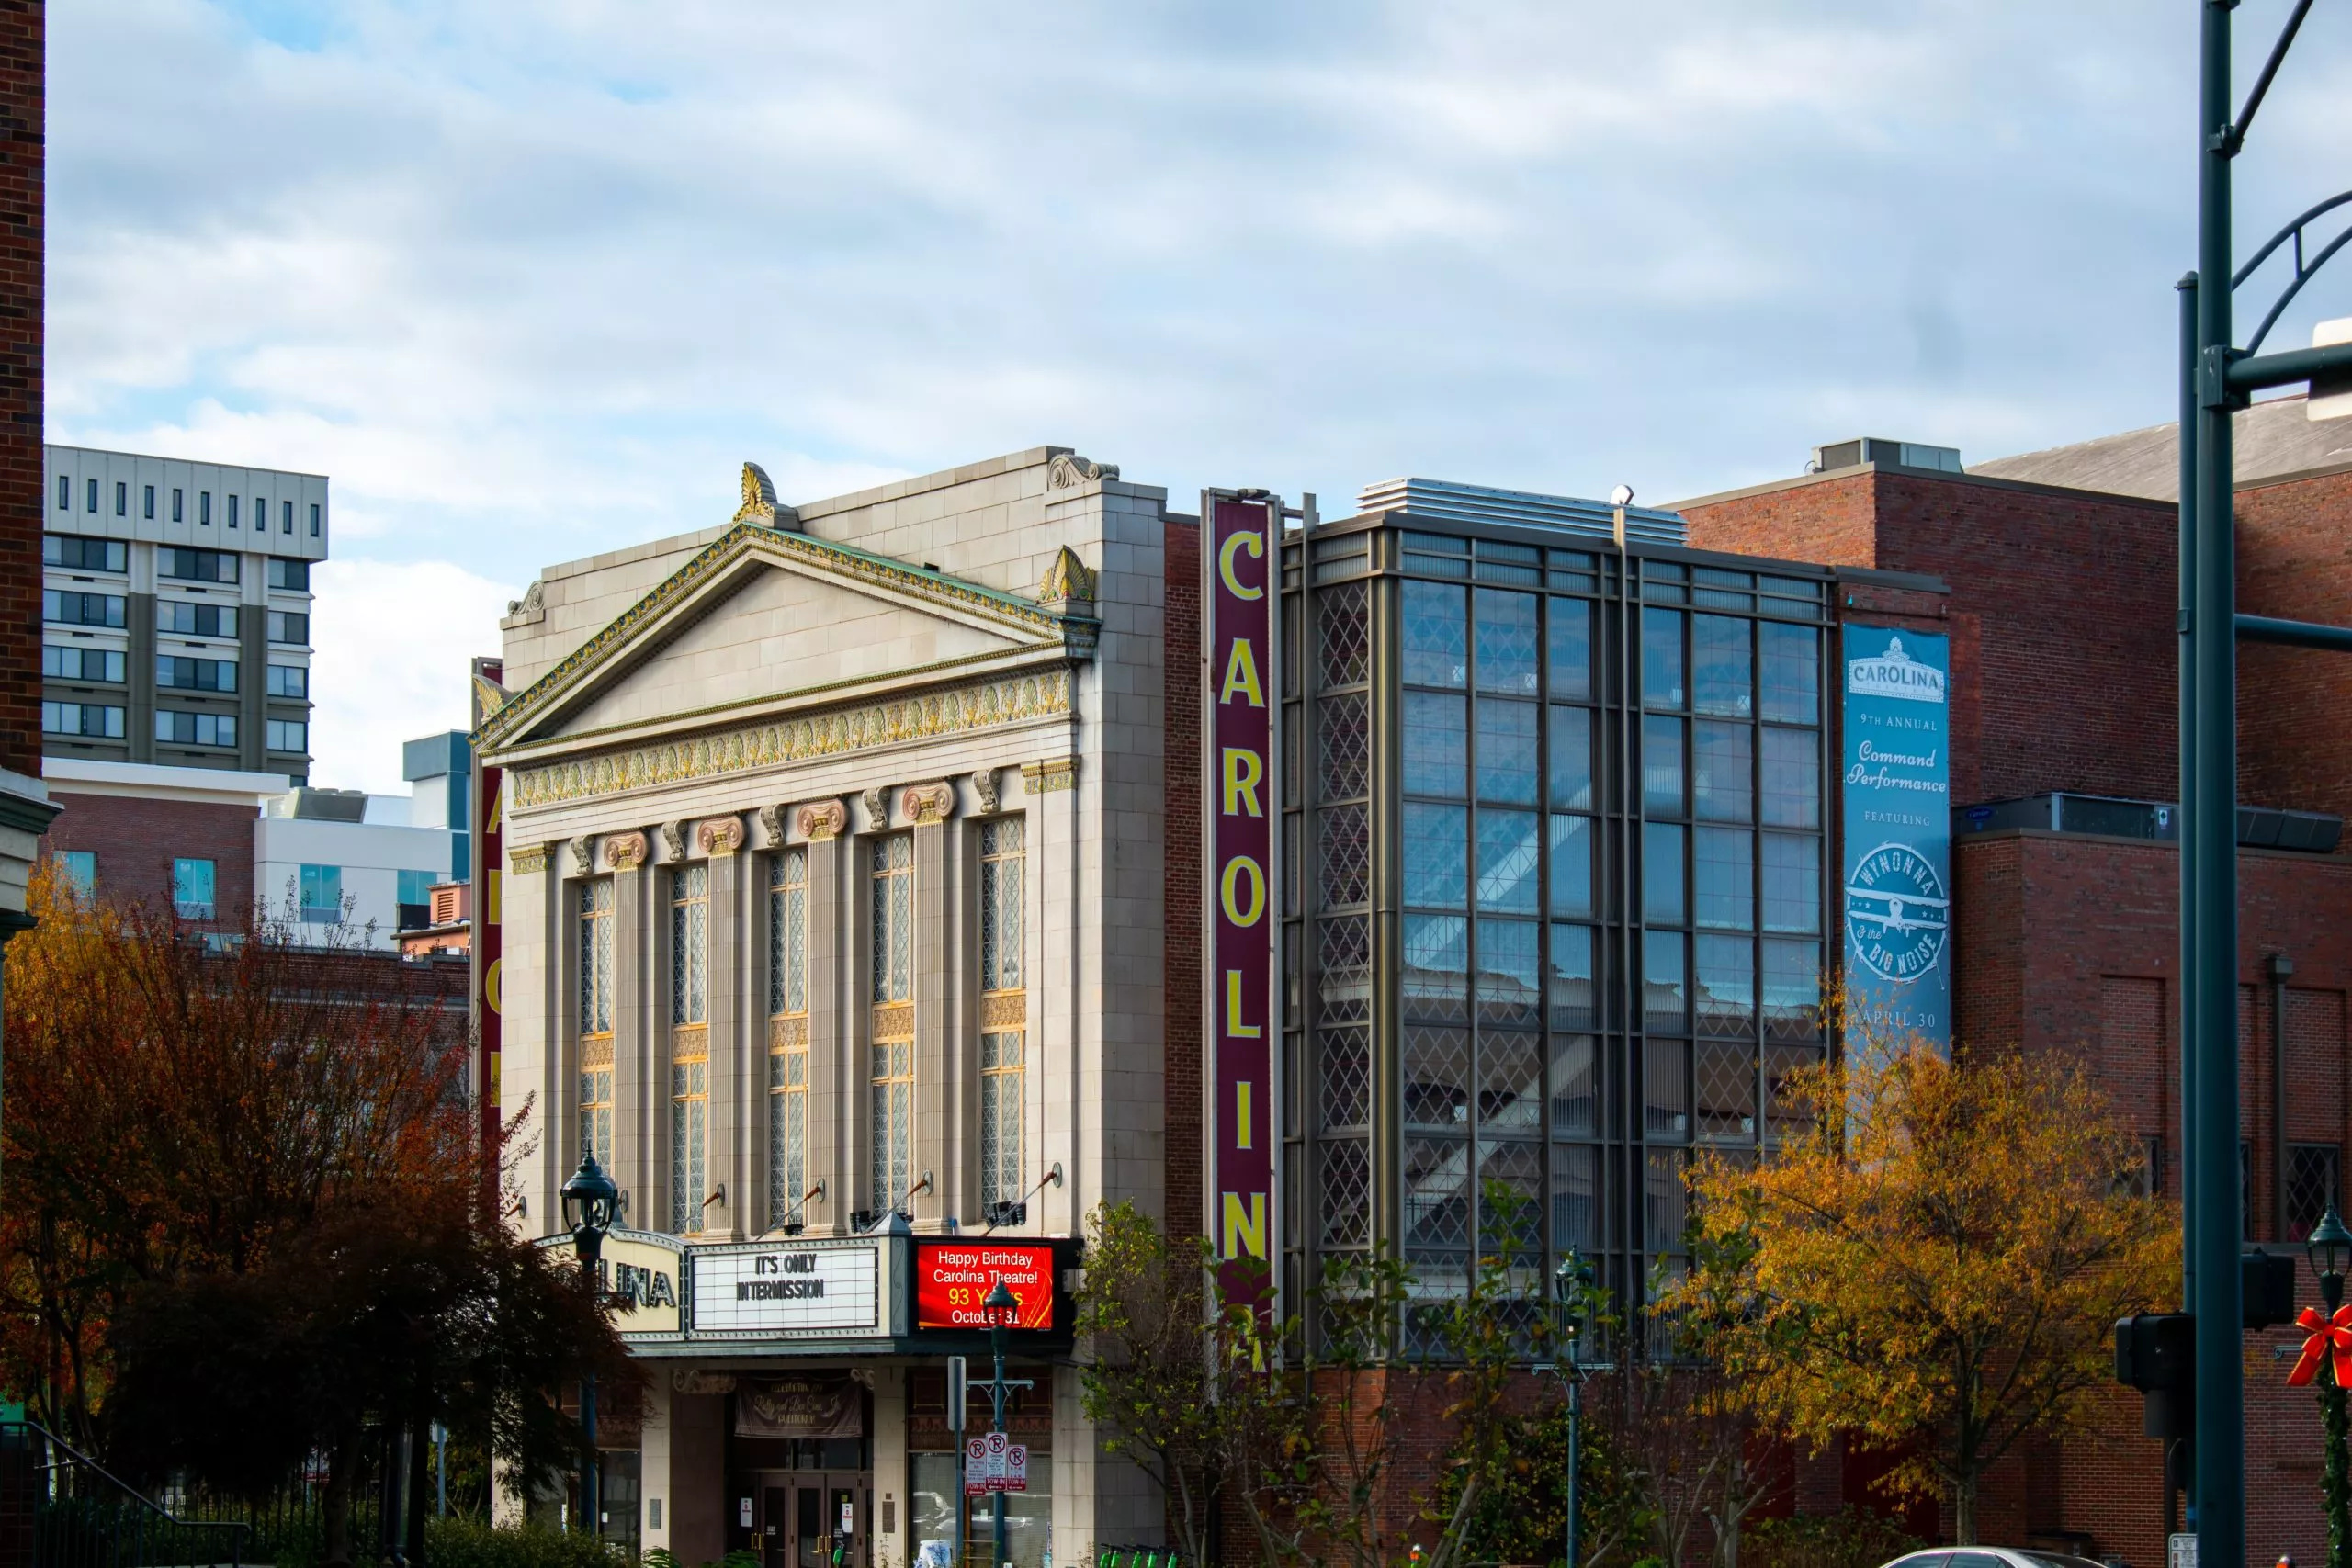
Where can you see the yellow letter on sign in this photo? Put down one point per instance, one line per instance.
(1241, 675)
(1244, 771)
(1234, 544)
(1245, 1229)
(1243, 888)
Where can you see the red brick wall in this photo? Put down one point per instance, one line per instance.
(2071, 597)
(2295, 560)
(1182, 891)
(2070, 944)
(136, 841)
(22, 63)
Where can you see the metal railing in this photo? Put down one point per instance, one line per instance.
(61, 1508)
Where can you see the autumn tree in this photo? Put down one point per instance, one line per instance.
(1934, 1263)
(213, 1145)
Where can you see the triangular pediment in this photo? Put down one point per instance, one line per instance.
(765, 620)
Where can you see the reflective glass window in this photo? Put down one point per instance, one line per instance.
(1437, 744)
(1507, 752)
(1720, 665)
(1662, 658)
(1792, 882)
(1572, 760)
(1722, 765)
(1572, 866)
(1791, 988)
(1726, 989)
(1723, 878)
(1437, 646)
(1662, 793)
(1507, 641)
(1437, 855)
(1662, 873)
(1791, 665)
(1792, 778)
(1571, 649)
(1576, 1002)
(1507, 861)
(1664, 1006)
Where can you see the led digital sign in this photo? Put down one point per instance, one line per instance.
(952, 1278)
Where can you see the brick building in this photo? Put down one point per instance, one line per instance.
(2058, 570)
(1564, 859)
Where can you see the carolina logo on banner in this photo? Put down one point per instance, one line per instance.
(1241, 538)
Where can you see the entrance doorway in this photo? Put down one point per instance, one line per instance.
(809, 1519)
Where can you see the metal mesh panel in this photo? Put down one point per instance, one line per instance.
(1346, 1193)
(1346, 1078)
(1347, 855)
(1344, 740)
(1511, 1082)
(1344, 616)
(1437, 1076)
(1437, 1188)
(1725, 1077)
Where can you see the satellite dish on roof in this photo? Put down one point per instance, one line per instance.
(1622, 496)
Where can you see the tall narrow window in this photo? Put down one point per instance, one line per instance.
(1004, 1016)
(891, 872)
(689, 1043)
(787, 1038)
(596, 1020)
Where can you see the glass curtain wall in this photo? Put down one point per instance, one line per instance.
(1588, 814)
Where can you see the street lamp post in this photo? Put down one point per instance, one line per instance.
(1001, 1307)
(2328, 1248)
(590, 1203)
(1569, 1282)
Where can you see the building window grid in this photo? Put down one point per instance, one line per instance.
(689, 1045)
(787, 1035)
(1748, 1049)
(890, 893)
(1004, 1013)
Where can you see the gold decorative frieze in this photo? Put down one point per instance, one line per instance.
(979, 705)
(625, 851)
(1043, 778)
(894, 1021)
(595, 1051)
(925, 804)
(789, 1034)
(1067, 580)
(1004, 1009)
(720, 836)
(528, 860)
(825, 820)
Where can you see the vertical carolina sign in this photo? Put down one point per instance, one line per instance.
(1242, 538)
(1898, 833)
(488, 871)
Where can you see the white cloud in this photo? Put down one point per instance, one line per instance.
(392, 644)
(531, 280)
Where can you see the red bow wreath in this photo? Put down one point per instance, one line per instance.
(2326, 1334)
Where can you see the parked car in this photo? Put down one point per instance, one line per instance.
(1990, 1557)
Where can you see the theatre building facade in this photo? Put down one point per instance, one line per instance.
(867, 905)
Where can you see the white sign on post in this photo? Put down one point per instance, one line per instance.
(976, 1467)
(1016, 1468)
(2180, 1552)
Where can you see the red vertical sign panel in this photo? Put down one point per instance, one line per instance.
(1240, 564)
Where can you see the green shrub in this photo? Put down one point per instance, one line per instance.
(471, 1543)
(1849, 1539)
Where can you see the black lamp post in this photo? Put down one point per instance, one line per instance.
(2329, 1248)
(1570, 1281)
(1002, 1308)
(590, 1203)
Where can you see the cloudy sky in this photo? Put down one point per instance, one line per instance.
(530, 279)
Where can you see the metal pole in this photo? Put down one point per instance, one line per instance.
(1576, 1418)
(996, 1342)
(2220, 1483)
(2186, 1000)
(592, 1266)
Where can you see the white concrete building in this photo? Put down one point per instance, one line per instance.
(832, 924)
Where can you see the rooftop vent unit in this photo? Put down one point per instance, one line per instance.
(1441, 500)
(308, 804)
(1879, 449)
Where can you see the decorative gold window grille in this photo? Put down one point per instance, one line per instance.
(594, 908)
(689, 1046)
(788, 1036)
(893, 1017)
(1004, 1014)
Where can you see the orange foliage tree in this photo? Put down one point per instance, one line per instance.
(1935, 1265)
(238, 1129)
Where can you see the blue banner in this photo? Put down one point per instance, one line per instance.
(1898, 835)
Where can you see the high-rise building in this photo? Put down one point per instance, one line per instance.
(176, 611)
